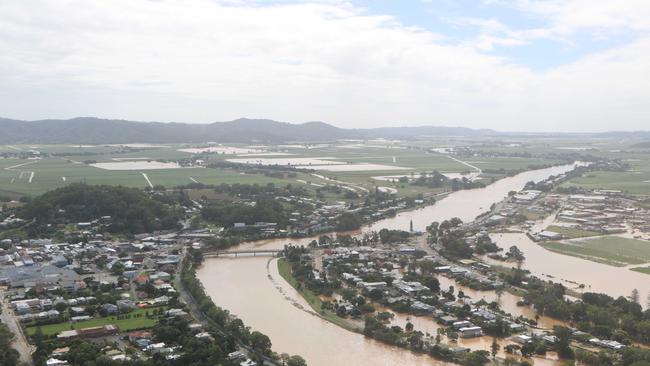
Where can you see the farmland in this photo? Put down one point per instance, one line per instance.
(45, 167)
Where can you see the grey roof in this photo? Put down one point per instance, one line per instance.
(46, 275)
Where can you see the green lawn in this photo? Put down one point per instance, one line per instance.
(572, 233)
(612, 250)
(137, 320)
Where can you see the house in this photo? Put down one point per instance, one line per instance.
(237, 355)
(522, 338)
(204, 335)
(162, 300)
(448, 320)
(369, 286)
(420, 307)
(462, 324)
(110, 308)
(125, 305)
(60, 351)
(136, 335)
(175, 313)
(55, 362)
(162, 276)
(549, 235)
(93, 332)
(410, 288)
(142, 279)
(470, 332)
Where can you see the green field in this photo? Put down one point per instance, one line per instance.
(51, 173)
(124, 325)
(64, 164)
(572, 233)
(634, 181)
(612, 250)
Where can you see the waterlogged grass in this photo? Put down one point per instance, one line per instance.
(611, 250)
(284, 268)
(137, 320)
(645, 270)
(572, 233)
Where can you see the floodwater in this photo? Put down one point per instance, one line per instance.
(573, 271)
(287, 161)
(221, 150)
(253, 290)
(136, 165)
(363, 167)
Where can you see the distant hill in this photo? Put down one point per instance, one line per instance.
(89, 130)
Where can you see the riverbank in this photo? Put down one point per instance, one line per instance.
(314, 301)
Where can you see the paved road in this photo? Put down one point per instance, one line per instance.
(20, 343)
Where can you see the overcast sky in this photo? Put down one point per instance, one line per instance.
(528, 65)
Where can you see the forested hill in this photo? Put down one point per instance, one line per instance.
(87, 130)
(131, 210)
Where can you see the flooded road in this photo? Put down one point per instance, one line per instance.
(253, 290)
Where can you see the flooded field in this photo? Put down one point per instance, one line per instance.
(573, 271)
(136, 165)
(310, 162)
(357, 167)
(222, 150)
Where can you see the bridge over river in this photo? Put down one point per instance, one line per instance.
(253, 252)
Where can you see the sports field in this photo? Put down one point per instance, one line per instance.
(136, 319)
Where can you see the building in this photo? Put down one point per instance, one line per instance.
(40, 276)
(470, 332)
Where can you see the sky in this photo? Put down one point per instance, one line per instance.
(518, 65)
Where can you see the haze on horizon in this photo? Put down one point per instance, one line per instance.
(521, 65)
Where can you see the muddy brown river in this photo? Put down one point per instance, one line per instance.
(252, 289)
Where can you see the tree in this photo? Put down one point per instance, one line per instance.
(409, 327)
(516, 254)
(8, 355)
(494, 348)
(634, 296)
(563, 343)
(476, 358)
(260, 342)
(296, 361)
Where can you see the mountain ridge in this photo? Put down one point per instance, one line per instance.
(94, 130)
